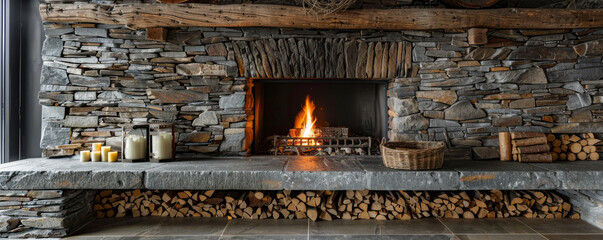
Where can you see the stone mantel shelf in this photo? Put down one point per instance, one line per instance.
(297, 173)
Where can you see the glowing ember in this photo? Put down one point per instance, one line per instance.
(305, 121)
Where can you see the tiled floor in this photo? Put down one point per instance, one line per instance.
(428, 229)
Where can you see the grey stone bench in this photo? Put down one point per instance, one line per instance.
(297, 173)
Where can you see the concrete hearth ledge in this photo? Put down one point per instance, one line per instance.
(297, 173)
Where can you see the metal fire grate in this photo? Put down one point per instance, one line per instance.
(301, 144)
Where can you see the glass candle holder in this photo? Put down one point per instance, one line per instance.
(163, 142)
(135, 142)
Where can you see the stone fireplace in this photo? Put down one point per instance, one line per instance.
(439, 86)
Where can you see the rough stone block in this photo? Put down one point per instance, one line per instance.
(53, 76)
(92, 32)
(236, 100)
(234, 140)
(81, 121)
(53, 112)
(52, 47)
(85, 81)
(463, 110)
(543, 53)
(443, 96)
(402, 107)
(194, 137)
(571, 75)
(205, 119)
(176, 96)
(413, 122)
(8, 223)
(200, 69)
(578, 100)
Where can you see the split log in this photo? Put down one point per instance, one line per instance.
(504, 140)
(536, 158)
(529, 141)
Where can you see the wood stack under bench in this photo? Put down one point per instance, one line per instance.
(530, 147)
(330, 205)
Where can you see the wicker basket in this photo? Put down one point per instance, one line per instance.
(410, 155)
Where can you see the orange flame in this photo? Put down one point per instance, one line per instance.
(305, 120)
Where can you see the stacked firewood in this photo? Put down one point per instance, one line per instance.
(329, 205)
(575, 147)
(530, 147)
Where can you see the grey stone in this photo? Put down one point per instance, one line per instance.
(574, 86)
(67, 173)
(13, 193)
(455, 82)
(53, 76)
(437, 65)
(79, 60)
(432, 106)
(402, 107)
(483, 153)
(200, 69)
(40, 233)
(194, 48)
(89, 81)
(173, 54)
(578, 100)
(418, 55)
(504, 76)
(85, 96)
(206, 118)
(52, 47)
(49, 112)
(442, 53)
(8, 223)
(582, 74)
(236, 100)
(533, 76)
(92, 32)
(53, 135)
(413, 122)
(463, 110)
(81, 121)
(234, 139)
(438, 123)
(54, 32)
(44, 223)
(543, 53)
(205, 58)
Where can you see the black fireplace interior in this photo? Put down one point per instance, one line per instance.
(360, 105)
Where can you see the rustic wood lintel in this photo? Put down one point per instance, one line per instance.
(142, 15)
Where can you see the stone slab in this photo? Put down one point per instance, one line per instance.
(297, 173)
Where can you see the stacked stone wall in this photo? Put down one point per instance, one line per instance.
(97, 77)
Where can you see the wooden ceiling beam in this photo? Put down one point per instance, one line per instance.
(259, 15)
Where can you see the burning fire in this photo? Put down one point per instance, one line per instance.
(304, 119)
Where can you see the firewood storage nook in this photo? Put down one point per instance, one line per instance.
(245, 82)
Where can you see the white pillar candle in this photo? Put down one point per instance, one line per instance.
(96, 156)
(112, 157)
(162, 145)
(135, 147)
(96, 147)
(105, 153)
(85, 156)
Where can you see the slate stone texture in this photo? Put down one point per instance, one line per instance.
(107, 75)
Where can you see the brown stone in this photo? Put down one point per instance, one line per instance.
(468, 63)
(96, 134)
(157, 34)
(216, 49)
(498, 69)
(550, 102)
(488, 54)
(502, 96)
(523, 103)
(592, 48)
(540, 32)
(176, 96)
(195, 137)
(434, 114)
(507, 121)
(233, 117)
(477, 35)
(201, 69)
(443, 96)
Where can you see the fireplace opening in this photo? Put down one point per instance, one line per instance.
(349, 117)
